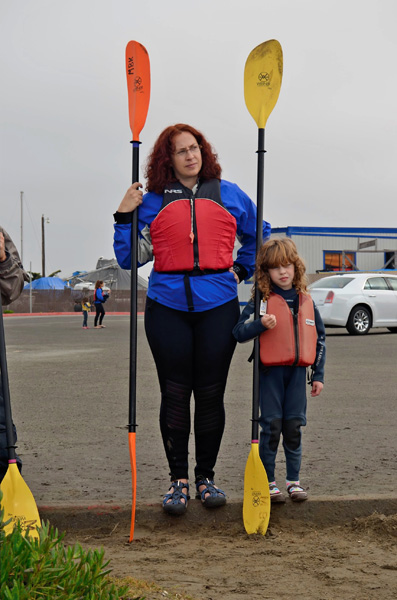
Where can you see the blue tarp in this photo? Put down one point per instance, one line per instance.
(47, 283)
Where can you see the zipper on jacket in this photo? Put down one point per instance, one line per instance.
(193, 233)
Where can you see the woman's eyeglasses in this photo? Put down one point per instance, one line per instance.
(183, 152)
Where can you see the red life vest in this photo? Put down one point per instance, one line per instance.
(293, 340)
(193, 231)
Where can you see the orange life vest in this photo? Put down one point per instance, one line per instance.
(193, 232)
(293, 340)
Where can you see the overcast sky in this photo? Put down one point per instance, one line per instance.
(331, 140)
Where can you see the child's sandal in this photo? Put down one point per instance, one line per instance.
(276, 496)
(216, 497)
(175, 502)
(296, 492)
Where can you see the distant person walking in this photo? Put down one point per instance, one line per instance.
(86, 307)
(99, 300)
(12, 277)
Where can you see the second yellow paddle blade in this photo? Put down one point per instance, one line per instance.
(18, 503)
(262, 80)
(256, 504)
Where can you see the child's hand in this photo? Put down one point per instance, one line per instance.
(316, 388)
(268, 321)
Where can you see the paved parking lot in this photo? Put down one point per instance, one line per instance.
(69, 393)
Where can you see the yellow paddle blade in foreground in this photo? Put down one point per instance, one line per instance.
(256, 504)
(262, 80)
(18, 503)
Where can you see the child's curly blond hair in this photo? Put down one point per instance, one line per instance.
(272, 254)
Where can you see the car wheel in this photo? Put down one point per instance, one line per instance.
(392, 329)
(359, 322)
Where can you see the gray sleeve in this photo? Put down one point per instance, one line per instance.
(12, 273)
(145, 247)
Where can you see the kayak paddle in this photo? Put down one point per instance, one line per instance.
(138, 84)
(262, 82)
(18, 502)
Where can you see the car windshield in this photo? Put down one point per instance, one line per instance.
(331, 282)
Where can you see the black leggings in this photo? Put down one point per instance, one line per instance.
(192, 352)
(100, 312)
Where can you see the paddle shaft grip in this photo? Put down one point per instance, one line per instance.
(6, 389)
(259, 241)
(134, 298)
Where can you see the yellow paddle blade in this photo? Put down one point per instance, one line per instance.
(262, 80)
(18, 503)
(256, 504)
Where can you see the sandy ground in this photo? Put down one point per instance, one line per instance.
(69, 392)
(356, 561)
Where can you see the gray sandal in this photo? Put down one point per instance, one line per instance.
(175, 502)
(217, 497)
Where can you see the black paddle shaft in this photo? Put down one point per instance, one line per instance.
(134, 296)
(6, 389)
(259, 241)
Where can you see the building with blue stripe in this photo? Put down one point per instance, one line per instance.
(330, 249)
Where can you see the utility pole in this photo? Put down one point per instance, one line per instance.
(42, 247)
(43, 220)
(21, 228)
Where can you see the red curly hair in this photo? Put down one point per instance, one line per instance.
(274, 253)
(159, 170)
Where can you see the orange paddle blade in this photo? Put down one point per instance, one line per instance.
(138, 83)
(131, 444)
(18, 503)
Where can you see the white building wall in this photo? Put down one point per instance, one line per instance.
(370, 261)
(312, 247)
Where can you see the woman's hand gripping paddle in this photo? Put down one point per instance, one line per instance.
(138, 84)
(18, 502)
(262, 82)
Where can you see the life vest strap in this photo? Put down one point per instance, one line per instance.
(188, 292)
(186, 282)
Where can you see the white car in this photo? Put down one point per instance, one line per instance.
(357, 301)
(88, 285)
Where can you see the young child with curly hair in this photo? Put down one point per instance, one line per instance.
(291, 338)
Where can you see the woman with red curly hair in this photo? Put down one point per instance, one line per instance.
(291, 338)
(188, 223)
